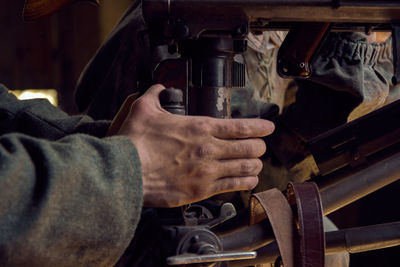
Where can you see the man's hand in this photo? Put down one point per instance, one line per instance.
(189, 158)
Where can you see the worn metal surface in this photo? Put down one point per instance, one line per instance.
(211, 258)
(263, 11)
(353, 240)
(334, 197)
(361, 184)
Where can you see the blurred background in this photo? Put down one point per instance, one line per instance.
(51, 53)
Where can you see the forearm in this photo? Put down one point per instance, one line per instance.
(76, 201)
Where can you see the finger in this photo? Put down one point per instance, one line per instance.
(230, 184)
(241, 128)
(233, 149)
(239, 168)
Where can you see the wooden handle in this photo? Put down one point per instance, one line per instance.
(35, 9)
(298, 48)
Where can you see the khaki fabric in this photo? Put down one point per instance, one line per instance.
(351, 78)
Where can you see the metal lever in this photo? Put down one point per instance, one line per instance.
(227, 211)
(191, 258)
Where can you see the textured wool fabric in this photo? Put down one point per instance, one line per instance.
(349, 63)
(67, 198)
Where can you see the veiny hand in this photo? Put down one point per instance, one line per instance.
(189, 158)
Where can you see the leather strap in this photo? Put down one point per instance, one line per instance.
(305, 198)
(273, 204)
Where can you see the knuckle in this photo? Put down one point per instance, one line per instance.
(234, 184)
(141, 102)
(247, 166)
(251, 167)
(222, 128)
(243, 129)
(206, 150)
(201, 127)
(143, 107)
(244, 148)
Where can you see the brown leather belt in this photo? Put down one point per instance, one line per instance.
(300, 237)
(273, 204)
(305, 198)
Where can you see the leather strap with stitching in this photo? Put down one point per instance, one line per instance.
(305, 198)
(306, 248)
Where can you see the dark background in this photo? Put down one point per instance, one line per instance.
(51, 53)
(379, 207)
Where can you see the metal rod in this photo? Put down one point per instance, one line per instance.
(277, 10)
(361, 184)
(249, 238)
(184, 259)
(361, 239)
(334, 197)
(352, 240)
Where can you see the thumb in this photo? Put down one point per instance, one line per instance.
(153, 94)
(154, 91)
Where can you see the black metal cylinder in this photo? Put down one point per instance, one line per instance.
(171, 99)
(361, 184)
(210, 85)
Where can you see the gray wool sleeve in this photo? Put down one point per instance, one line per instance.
(38, 118)
(66, 198)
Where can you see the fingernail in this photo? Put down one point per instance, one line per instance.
(270, 125)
